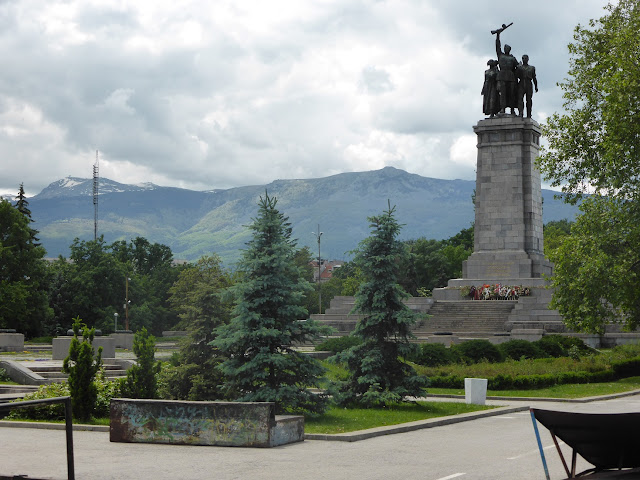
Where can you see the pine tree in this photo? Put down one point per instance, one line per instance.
(82, 367)
(23, 207)
(378, 375)
(262, 364)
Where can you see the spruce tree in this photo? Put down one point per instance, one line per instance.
(23, 207)
(261, 361)
(378, 376)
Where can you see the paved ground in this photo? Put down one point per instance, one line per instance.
(499, 447)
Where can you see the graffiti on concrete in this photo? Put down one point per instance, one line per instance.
(195, 423)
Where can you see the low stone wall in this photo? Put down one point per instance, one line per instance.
(20, 374)
(11, 342)
(123, 339)
(60, 347)
(234, 424)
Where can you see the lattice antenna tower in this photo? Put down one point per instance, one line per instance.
(96, 177)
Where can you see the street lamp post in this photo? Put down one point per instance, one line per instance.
(115, 322)
(126, 305)
(318, 235)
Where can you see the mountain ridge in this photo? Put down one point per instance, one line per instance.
(194, 223)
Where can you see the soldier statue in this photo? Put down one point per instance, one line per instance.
(491, 99)
(527, 81)
(507, 80)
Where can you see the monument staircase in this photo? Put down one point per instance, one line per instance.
(50, 371)
(460, 318)
(466, 318)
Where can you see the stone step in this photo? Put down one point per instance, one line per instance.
(38, 347)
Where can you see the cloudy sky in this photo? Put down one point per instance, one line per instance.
(217, 94)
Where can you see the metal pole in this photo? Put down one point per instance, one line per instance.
(319, 273)
(126, 306)
(535, 428)
(68, 419)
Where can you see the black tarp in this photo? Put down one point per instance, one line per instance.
(607, 441)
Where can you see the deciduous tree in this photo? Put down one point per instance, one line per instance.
(23, 279)
(594, 147)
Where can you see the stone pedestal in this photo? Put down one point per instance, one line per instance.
(11, 342)
(123, 339)
(60, 347)
(508, 240)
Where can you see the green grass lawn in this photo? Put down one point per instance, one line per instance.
(558, 391)
(341, 420)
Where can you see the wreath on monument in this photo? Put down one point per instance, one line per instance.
(495, 292)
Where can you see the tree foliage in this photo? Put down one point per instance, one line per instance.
(595, 147)
(595, 144)
(378, 374)
(597, 267)
(141, 378)
(198, 296)
(92, 284)
(23, 279)
(261, 361)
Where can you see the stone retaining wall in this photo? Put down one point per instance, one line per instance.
(236, 424)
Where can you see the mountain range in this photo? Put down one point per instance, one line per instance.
(194, 223)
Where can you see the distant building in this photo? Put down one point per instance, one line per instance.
(327, 267)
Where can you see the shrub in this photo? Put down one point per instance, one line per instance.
(627, 368)
(517, 349)
(141, 378)
(433, 355)
(568, 342)
(551, 345)
(105, 390)
(4, 376)
(82, 368)
(473, 351)
(338, 344)
(44, 412)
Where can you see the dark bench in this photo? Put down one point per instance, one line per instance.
(237, 424)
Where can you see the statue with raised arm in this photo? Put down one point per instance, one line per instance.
(527, 81)
(507, 81)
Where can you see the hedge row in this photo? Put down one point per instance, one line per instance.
(622, 369)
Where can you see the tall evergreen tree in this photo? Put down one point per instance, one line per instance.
(23, 207)
(262, 363)
(378, 376)
(23, 297)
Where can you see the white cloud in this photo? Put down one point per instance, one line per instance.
(219, 94)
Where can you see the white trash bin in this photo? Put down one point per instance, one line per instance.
(475, 390)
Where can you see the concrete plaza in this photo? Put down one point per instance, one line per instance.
(497, 447)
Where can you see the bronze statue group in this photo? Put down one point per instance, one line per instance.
(507, 83)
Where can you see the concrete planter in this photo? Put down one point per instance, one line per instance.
(11, 342)
(229, 424)
(475, 390)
